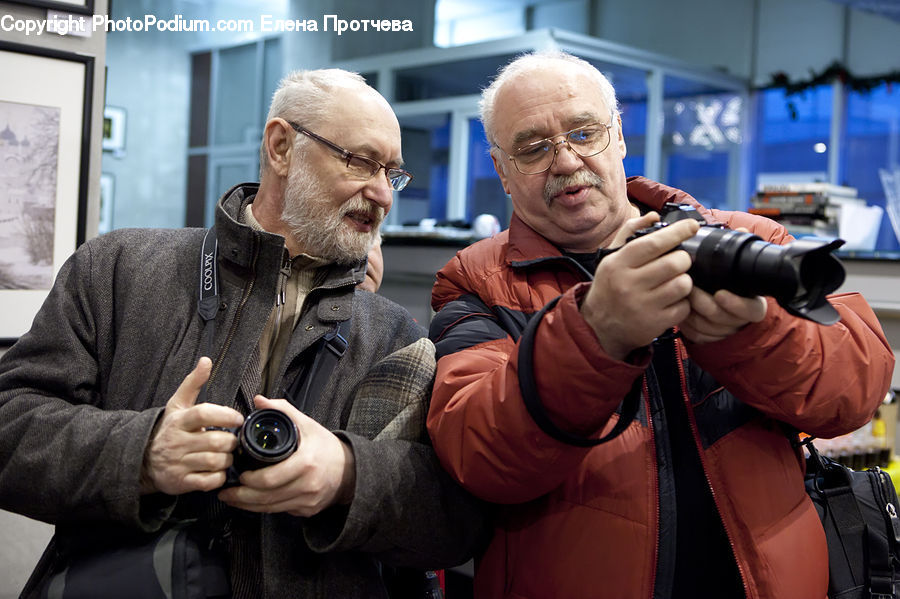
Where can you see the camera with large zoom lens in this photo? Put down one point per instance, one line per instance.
(266, 437)
(798, 275)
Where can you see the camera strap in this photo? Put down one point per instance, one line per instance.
(306, 389)
(534, 405)
(208, 305)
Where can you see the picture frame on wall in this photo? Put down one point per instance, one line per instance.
(81, 7)
(45, 131)
(113, 129)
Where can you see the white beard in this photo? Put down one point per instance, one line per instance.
(319, 227)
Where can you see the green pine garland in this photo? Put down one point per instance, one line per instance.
(834, 71)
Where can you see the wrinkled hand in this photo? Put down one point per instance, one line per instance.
(320, 473)
(182, 455)
(715, 317)
(642, 289)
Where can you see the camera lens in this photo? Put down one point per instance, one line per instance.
(268, 436)
(267, 433)
(799, 274)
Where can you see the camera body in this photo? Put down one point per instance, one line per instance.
(266, 437)
(798, 275)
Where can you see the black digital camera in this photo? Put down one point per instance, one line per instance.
(266, 437)
(798, 275)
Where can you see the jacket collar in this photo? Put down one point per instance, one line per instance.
(236, 240)
(527, 245)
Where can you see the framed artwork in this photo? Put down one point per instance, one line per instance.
(82, 7)
(107, 198)
(113, 129)
(45, 115)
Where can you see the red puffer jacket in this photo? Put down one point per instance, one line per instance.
(588, 522)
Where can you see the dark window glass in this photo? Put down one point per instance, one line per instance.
(871, 150)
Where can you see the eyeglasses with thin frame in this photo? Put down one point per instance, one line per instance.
(361, 166)
(538, 156)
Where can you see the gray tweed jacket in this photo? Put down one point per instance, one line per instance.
(81, 392)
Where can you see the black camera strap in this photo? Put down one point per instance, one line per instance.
(305, 390)
(208, 305)
(534, 405)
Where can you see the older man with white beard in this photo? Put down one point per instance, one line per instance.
(120, 353)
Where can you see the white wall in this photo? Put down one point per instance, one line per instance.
(874, 44)
(754, 38)
(703, 32)
(798, 36)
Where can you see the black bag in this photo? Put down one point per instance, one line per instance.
(858, 510)
(178, 562)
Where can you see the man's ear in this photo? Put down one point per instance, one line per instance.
(620, 137)
(500, 168)
(279, 138)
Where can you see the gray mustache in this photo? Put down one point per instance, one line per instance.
(556, 184)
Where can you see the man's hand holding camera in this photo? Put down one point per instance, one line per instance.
(191, 451)
(715, 317)
(643, 289)
(183, 455)
(320, 473)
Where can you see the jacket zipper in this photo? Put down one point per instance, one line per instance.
(646, 391)
(237, 316)
(696, 435)
(890, 510)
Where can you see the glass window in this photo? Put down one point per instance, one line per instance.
(464, 22)
(226, 173)
(371, 78)
(235, 107)
(271, 75)
(457, 78)
(634, 126)
(872, 148)
(484, 192)
(702, 141)
(631, 92)
(426, 152)
(793, 131)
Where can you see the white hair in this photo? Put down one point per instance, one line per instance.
(305, 97)
(533, 61)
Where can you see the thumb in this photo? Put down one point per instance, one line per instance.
(186, 394)
(261, 402)
(632, 226)
(282, 405)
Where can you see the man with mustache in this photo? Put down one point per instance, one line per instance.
(542, 344)
(102, 432)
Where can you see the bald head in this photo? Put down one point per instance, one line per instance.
(310, 97)
(526, 66)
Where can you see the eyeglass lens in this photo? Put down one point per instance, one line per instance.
(366, 167)
(585, 141)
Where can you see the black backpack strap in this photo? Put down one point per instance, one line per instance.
(208, 304)
(535, 407)
(306, 389)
